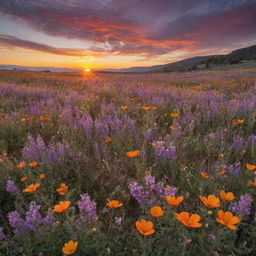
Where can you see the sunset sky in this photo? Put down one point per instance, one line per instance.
(121, 33)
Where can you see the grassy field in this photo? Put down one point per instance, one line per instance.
(128, 164)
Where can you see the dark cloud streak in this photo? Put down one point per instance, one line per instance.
(17, 42)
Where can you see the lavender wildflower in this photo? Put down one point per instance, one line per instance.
(252, 139)
(49, 219)
(164, 153)
(87, 208)
(118, 221)
(238, 144)
(2, 235)
(211, 237)
(233, 168)
(11, 187)
(37, 150)
(138, 192)
(33, 216)
(16, 222)
(243, 206)
(149, 135)
(151, 183)
(254, 219)
(170, 191)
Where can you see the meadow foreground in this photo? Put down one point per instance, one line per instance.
(118, 164)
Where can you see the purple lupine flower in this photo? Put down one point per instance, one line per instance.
(233, 168)
(151, 183)
(254, 219)
(37, 150)
(252, 140)
(87, 208)
(33, 216)
(238, 144)
(191, 125)
(101, 127)
(243, 206)
(16, 222)
(118, 221)
(2, 235)
(11, 187)
(149, 135)
(211, 237)
(86, 123)
(164, 153)
(97, 151)
(170, 191)
(49, 219)
(33, 220)
(138, 192)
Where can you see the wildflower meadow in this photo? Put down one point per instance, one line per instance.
(128, 164)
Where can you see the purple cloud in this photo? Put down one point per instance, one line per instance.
(149, 28)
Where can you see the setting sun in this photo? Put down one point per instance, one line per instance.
(87, 70)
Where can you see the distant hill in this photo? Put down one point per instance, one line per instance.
(175, 66)
(201, 62)
(44, 69)
(235, 57)
(242, 55)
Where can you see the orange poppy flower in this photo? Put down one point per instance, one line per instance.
(33, 164)
(250, 167)
(238, 121)
(45, 118)
(23, 179)
(145, 227)
(61, 207)
(30, 117)
(70, 247)
(189, 221)
(3, 116)
(211, 201)
(227, 219)
(153, 145)
(197, 87)
(229, 196)
(154, 107)
(123, 107)
(145, 108)
(21, 165)
(32, 188)
(62, 189)
(114, 204)
(156, 211)
(172, 127)
(222, 172)
(42, 176)
(23, 119)
(175, 115)
(108, 139)
(253, 183)
(147, 172)
(204, 175)
(133, 154)
(174, 201)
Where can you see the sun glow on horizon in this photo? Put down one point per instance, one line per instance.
(87, 70)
